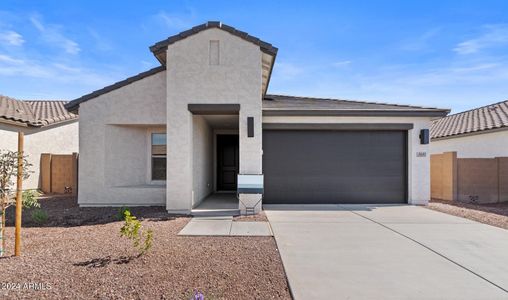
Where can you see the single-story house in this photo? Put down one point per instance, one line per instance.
(48, 128)
(182, 131)
(478, 133)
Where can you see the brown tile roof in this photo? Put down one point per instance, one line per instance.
(484, 118)
(161, 46)
(35, 113)
(287, 105)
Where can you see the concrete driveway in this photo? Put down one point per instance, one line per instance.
(389, 252)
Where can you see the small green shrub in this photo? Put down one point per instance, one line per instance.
(30, 199)
(121, 213)
(132, 229)
(39, 216)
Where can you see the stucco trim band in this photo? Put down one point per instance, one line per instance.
(340, 126)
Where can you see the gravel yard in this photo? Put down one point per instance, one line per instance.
(492, 214)
(79, 254)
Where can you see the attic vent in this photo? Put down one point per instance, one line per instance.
(493, 108)
(214, 53)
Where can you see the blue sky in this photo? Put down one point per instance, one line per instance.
(451, 54)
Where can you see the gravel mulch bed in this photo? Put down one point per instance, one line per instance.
(64, 211)
(492, 214)
(261, 217)
(93, 261)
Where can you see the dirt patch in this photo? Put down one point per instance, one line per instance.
(93, 261)
(261, 217)
(65, 212)
(492, 214)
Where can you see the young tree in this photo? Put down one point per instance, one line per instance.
(8, 175)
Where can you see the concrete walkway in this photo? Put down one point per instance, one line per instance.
(225, 226)
(389, 252)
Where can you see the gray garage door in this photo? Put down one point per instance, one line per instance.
(327, 166)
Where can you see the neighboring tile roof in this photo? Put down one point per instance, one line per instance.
(16, 110)
(484, 118)
(74, 104)
(163, 45)
(282, 104)
(35, 113)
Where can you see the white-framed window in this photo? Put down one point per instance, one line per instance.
(158, 150)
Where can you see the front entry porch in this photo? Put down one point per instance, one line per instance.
(216, 205)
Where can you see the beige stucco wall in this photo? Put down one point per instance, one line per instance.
(484, 145)
(202, 160)
(115, 144)
(114, 164)
(418, 167)
(57, 139)
(191, 79)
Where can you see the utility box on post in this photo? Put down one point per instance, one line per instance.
(250, 193)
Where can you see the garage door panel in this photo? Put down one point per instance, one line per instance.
(334, 166)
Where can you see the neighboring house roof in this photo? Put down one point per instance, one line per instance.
(160, 47)
(34, 113)
(478, 120)
(291, 105)
(74, 104)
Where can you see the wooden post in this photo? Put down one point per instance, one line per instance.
(2, 224)
(19, 195)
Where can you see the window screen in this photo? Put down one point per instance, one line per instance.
(158, 156)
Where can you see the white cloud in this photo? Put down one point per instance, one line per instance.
(52, 34)
(420, 42)
(54, 71)
(101, 43)
(175, 21)
(287, 71)
(11, 38)
(66, 68)
(10, 60)
(494, 35)
(341, 63)
(475, 68)
(11, 66)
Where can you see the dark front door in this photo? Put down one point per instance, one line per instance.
(227, 162)
(330, 167)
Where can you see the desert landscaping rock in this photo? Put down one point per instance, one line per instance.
(492, 214)
(94, 262)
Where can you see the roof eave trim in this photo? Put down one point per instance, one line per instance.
(465, 134)
(43, 124)
(269, 75)
(73, 106)
(15, 123)
(334, 112)
(161, 46)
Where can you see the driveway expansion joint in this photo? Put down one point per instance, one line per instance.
(432, 250)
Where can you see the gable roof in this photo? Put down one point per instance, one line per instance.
(33, 113)
(273, 104)
(160, 47)
(277, 105)
(74, 104)
(268, 56)
(482, 119)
